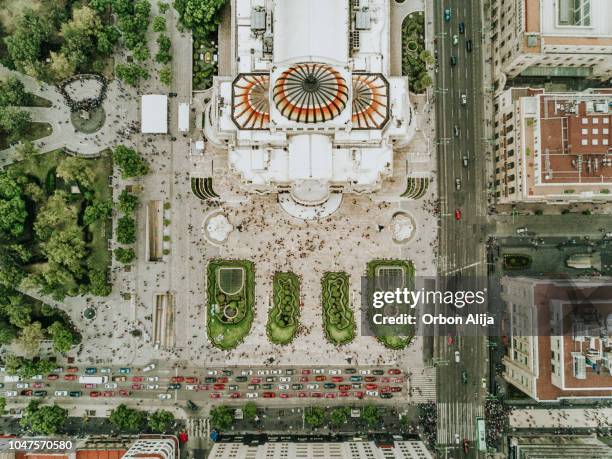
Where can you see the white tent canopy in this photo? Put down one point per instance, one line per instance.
(154, 114)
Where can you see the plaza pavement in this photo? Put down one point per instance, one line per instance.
(542, 418)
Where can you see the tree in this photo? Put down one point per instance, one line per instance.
(127, 202)
(370, 415)
(339, 416)
(141, 52)
(163, 7)
(126, 230)
(127, 419)
(12, 92)
(24, 46)
(66, 248)
(30, 337)
(159, 24)
(18, 312)
(13, 211)
(249, 410)
(131, 73)
(426, 57)
(165, 76)
(54, 214)
(125, 256)
(26, 151)
(161, 421)
(425, 81)
(163, 55)
(130, 163)
(97, 210)
(221, 417)
(62, 337)
(314, 416)
(2, 405)
(44, 420)
(107, 39)
(201, 16)
(14, 122)
(98, 283)
(77, 169)
(61, 67)
(26, 368)
(8, 332)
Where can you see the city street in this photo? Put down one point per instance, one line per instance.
(461, 153)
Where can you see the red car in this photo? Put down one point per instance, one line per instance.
(303, 394)
(177, 379)
(457, 214)
(223, 380)
(269, 395)
(395, 371)
(215, 395)
(108, 393)
(94, 393)
(337, 379)
(396, 389)
(191, 380)
(343, 394)
(53, 377)
(136, 386)
(330, 395)
(124, 392)
(305, 371)
(385, 379)
(304, 379)
(320, 378)
(316, 394)
(449, 340)
(204, 387)
(235, 395)
(385, 389)
(89, 386)
(219, 387)
(255, 380)
(344, 387)
(359, 394)
(137, 379)
(371, 386)
(369, 378)
(38, 385)
(284, 395)
(70, 377)
(72, 370)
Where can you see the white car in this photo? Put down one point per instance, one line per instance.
(457, 357)
(312, 386)
(283, 387)
(10, 393)
(110, 385)
(334, 372)
(365, 372)
(22, 385)
(463, 99)
(455, 39)
(372, 393)
(318, 371)
(212, 372)
(61, 393)
(164, 396)
(105, 370)
(153, 378)
(191, 387)
(261, 372)
(252, 395)
(152, 386)
(37, 378)
(276, 372)
(284, 379)
(149, 367)
(246, 372)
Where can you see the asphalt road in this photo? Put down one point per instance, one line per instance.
(462, 250)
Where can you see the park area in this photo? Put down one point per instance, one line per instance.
(415, 58)
(338, 318)
(231, 298)
(388, 275)
(283, 320)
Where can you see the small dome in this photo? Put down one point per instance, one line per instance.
(310, 93)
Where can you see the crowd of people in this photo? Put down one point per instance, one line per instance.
(497, 416)
(428, 419)
(88, 103)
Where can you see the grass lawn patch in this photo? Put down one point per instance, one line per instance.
(387, 275)
(283, 318)
(35, 131)
(338, 318)
(229, 316)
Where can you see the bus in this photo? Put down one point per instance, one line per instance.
(481, 435)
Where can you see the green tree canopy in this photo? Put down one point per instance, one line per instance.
(13, 211)
(127, 202)
(12, 92)
(14, 122)
(165, 76)
(25, 45)
(130, 163)
(98, 283)
(339, 416)
(249, 410)
(128, 419)
(159, 24)
(161, 421)
(62, 337)
(44, 420)
(314, 416)
(221, 417)
(126, 230)
(97, 210)
(125, 256)
(201, 16)
(30, 337)
(77, 169)
(370, 415)
(131, 73)
(26, 368)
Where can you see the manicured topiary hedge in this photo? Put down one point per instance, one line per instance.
(338, 318)
(283, 319)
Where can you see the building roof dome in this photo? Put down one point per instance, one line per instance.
(310, 93)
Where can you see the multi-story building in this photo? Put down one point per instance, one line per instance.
(311, 111)
(154, 447)
(553, 147)
(548, 446)
(404, 449)
(560, 337)
(552, 38)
